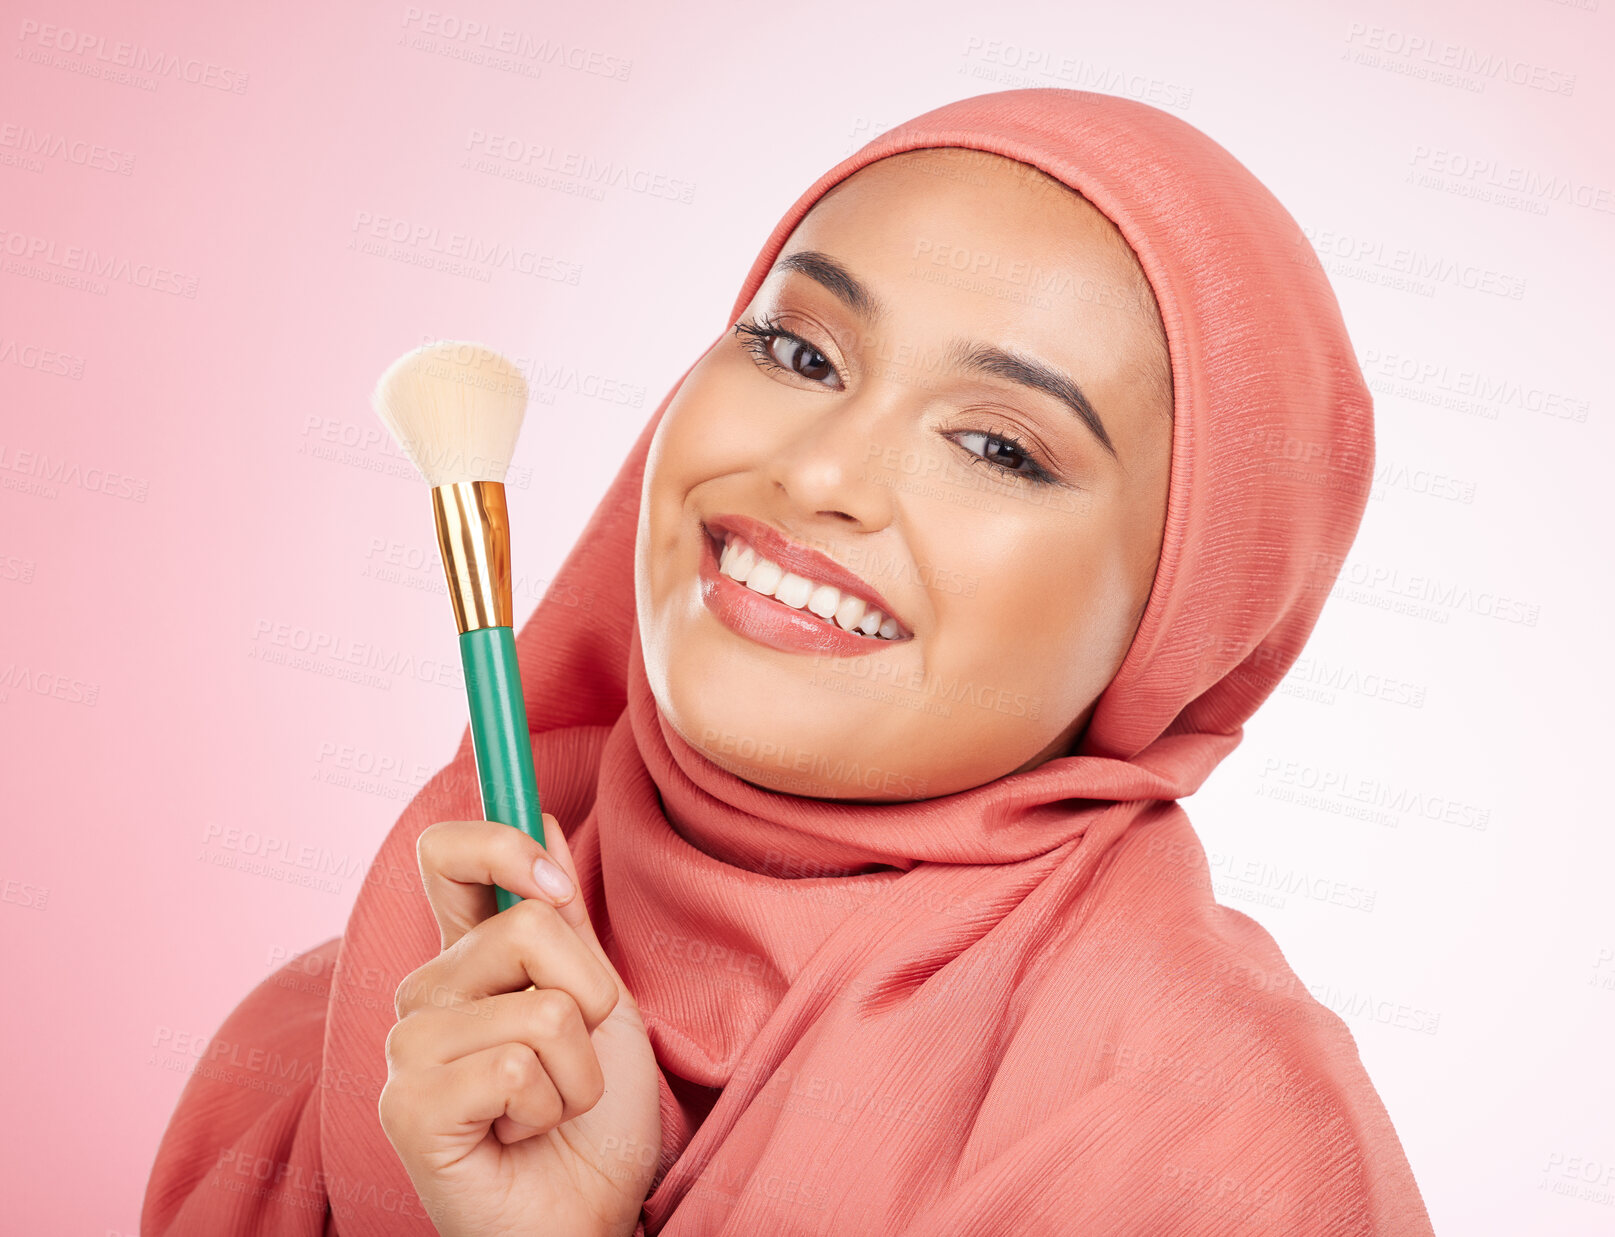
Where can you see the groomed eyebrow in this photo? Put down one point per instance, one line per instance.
(967, 354)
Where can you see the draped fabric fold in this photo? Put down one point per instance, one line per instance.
(1013, 1009)
(242, 1154)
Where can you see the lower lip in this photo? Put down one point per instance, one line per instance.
(771, 622)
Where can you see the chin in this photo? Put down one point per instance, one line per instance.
(736, 710)
(776, 728)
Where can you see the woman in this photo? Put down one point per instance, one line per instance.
(958, 558)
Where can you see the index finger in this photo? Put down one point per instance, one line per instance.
(462, 860)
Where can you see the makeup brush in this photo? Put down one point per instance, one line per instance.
(456, 409)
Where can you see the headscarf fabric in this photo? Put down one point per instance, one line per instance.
(1013, 1009)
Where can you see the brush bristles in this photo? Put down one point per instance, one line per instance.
(455, 408)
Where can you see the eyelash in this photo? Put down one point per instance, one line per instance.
(756, 336)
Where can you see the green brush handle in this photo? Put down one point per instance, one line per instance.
(499, 732)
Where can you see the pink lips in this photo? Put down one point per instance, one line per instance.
(771, 622)
(809, 564)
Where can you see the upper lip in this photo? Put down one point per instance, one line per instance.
(798, 558)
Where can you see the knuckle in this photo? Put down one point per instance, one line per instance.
(530, 922)
(533, 914)
(515, 1067)
(555, 1012)
(404, 996)
(394, 1047)
(512, 843)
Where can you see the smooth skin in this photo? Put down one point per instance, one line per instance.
(522, 1091)
(518, 1111)
(867, 445)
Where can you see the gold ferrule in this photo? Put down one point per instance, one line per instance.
(473, 534)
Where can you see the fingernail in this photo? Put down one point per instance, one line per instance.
(551, 879)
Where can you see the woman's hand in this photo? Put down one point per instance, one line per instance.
(518, 1109)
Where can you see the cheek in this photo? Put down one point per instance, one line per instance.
(1016, 633)
(1047, 616)
(717, 424)
(714, 427)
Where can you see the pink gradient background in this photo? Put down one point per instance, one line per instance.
(135, 916)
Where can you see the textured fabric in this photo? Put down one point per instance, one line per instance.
(1014, 1009)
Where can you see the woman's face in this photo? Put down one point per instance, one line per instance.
(912, 416)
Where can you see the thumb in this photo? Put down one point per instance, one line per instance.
(573, 910)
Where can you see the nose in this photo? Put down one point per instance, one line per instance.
(827, 467)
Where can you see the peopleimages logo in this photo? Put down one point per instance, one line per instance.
(26, 355)
(93, 264)
(33, 146)
(519, 159)
(479, 42)
(1487, 174)
(373, 232)
(1464, 389)
(1291, 780)
(39, 472)
(1364, 254)
(43, 38)
(1420, 55)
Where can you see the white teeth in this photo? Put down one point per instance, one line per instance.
(849, 612)
(738, 559)
(793, 590)
(741, 562)
(764, 577)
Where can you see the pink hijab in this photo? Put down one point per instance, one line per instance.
(1017, 1008)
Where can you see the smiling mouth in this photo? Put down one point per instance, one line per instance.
(807, 596)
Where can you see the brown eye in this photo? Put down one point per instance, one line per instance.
(773, 347)
(1003, 453)
(809, 361)
(999, 451)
